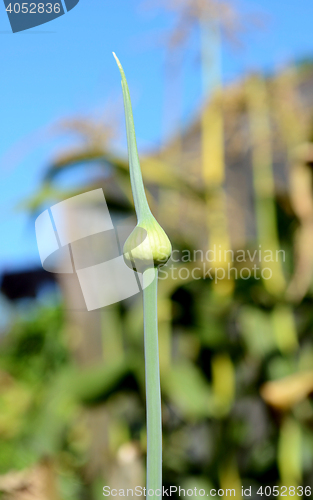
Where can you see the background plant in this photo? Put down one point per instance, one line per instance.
(235, 359)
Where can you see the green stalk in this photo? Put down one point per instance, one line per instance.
(146, 254)
(153, 391)
(140, 199)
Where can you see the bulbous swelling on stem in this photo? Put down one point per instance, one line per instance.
(147, 246)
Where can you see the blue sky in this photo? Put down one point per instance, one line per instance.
(65, 69)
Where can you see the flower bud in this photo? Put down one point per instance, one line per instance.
(147, 246)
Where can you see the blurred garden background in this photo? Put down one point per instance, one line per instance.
(223, 106)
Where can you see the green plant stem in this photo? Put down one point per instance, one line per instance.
(140, 199)
(153, 391)
(150, 280)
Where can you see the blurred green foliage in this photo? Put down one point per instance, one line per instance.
(236, 356)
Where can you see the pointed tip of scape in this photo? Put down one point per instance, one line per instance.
(117, 60)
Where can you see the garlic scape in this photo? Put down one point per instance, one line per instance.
(147, 248)
(148, 245)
